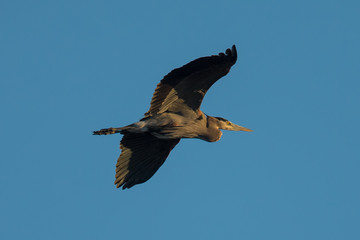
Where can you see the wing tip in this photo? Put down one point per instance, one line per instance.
(233, 50)
(122, 184)
(232, 53)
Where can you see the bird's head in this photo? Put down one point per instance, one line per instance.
(227, 125)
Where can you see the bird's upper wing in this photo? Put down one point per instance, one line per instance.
(184, 88)
(141, 156)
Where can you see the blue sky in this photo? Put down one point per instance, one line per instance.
(71, 67)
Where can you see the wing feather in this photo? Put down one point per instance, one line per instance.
(184, 88)
(141, 156)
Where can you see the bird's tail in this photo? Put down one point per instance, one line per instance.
(132, 128)
(107, 131)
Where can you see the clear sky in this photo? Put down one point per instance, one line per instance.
(70, 67)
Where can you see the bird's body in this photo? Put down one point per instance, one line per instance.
(174, 114)
(172, 126)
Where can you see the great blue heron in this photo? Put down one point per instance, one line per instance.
(174, 114)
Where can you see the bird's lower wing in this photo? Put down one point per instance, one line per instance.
(141, 156)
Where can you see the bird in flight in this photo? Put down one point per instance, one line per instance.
(174, 114)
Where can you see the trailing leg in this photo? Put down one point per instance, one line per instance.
(107, 131)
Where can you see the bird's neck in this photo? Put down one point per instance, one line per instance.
(213, 132)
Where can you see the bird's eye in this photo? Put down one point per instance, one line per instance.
(228, 123)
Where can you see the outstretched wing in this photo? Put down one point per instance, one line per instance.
(141, 156)
(184, 88)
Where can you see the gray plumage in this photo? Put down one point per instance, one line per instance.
(174, 114)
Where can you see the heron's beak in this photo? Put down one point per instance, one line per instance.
(240, 128)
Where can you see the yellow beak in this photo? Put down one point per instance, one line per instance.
(240, 128)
